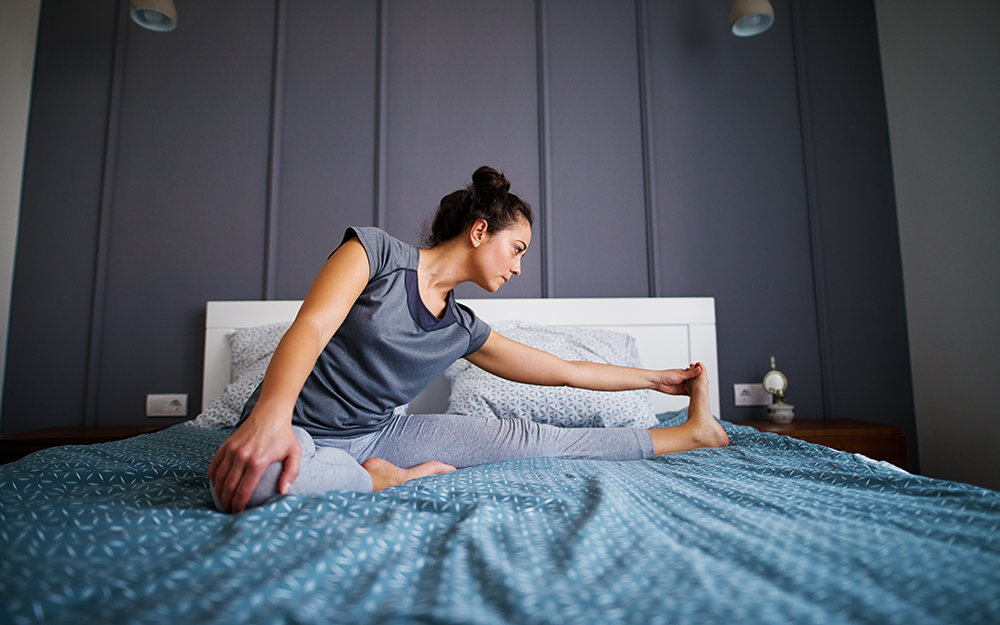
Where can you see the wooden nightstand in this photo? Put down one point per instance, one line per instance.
(875, 440)
(16, 446)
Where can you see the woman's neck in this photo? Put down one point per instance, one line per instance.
(439, 270)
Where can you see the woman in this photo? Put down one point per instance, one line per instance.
(379, 324)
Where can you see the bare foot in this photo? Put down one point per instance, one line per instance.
(700, 430)
(385, 474)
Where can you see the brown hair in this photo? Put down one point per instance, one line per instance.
(488, 197)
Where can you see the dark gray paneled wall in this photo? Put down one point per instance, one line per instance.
(461, 92)
(731, 191)
(858, 265)
(663, 156)
(50, 319)
(328, 134)
(598, 211)
(187, 214)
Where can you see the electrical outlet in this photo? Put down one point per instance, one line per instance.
(752, 395)
(167, 405)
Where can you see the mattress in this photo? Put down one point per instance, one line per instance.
(767, 530)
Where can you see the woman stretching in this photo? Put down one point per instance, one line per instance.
(378, 325)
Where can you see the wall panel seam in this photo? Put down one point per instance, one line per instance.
(648, 160)
(274, 151)
(544, 149)
(814, 213)
(99, 296)
(381, 112)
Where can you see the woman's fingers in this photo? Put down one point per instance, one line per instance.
(242, 460)
(254, 469)
(291, 470)
(232, 464)
(229, 484)
(219, 473)
(213, 469)
(675, 381)
(219, 466)
(246, 486)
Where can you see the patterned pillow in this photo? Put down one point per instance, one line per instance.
(475, 392)
(252, 349)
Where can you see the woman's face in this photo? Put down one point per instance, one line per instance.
(499, 256)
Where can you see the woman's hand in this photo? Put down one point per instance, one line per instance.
(243, 458)
(675, 381)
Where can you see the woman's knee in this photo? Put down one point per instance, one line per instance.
(321, 470)
(267, 486)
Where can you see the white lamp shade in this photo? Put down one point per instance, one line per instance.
(750, 17)
(159, 15)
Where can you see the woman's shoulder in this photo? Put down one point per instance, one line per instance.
(378, 238)
(367, 234)
(478, 329)
(385, 252)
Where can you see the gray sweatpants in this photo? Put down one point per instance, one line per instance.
(408, 440)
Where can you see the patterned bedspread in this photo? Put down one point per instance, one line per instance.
(767, 530)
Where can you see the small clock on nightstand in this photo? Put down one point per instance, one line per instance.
(776, 384)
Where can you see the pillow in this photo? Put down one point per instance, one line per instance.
(477, 393)
(251, 349)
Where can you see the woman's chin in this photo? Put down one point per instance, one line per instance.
(489, 288)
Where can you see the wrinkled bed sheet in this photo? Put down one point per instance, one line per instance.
(767, 530)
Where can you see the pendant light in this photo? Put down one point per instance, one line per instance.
(158, 15)
(750, 17)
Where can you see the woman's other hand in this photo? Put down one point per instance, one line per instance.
(243, 458)
(675, 381)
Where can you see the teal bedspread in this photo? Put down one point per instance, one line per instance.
(767, 530)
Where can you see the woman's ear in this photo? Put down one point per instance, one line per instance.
(477, 234)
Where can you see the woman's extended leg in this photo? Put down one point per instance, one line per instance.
(464, 441)
(470, 441)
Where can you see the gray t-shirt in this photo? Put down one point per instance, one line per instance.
(389, 348)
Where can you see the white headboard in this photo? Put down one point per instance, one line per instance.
(670, 332)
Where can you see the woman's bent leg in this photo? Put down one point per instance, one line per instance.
(463, 441)
(321, 469)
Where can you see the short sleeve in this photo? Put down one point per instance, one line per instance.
(376, 244)
(479, 330)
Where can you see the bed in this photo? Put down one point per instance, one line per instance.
(767, 530)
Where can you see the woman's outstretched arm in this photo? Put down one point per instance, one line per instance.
(266, 436)
(520, 363)
(515, 361)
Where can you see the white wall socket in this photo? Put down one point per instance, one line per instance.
(167, 405)
(752, 395)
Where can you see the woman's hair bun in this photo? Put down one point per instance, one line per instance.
(489, 181)
(488, 197)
